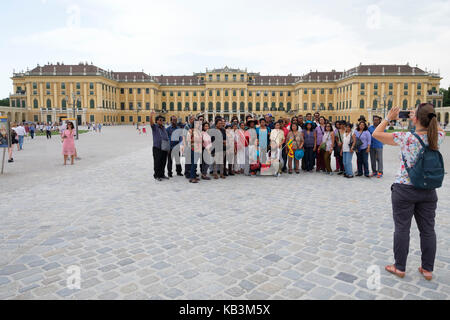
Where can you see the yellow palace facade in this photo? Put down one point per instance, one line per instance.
(91, 94)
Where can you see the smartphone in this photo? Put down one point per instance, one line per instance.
(404, 114)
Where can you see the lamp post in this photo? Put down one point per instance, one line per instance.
(138, 108)
(75, 99)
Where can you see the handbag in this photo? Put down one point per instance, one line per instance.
(359, 142)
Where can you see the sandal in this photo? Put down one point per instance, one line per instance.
(426, 274)
(392, 269)
(290, 171)
(297, 171)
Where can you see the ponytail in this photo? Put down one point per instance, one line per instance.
(432, 134)
(427, 117)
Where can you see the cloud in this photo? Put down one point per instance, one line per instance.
(181, 37)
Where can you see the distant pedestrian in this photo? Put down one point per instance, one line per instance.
(20, 130)
(48, 130)
(68, 147)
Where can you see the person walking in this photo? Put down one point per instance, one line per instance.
(361, 144)
(206, 151)
(161, 146)
(68, 147)
(32, 130)
(21, 133)
(376, 151)
(48, 131)
(407, 199)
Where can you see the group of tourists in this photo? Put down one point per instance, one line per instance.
(264, 146)
(421, 168)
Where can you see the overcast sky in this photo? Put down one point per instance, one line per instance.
(181, 37)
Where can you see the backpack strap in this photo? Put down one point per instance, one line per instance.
(420, 139)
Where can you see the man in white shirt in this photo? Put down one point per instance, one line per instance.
(20, 130)
(48, 130)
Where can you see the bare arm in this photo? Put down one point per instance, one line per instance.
(152, 122)
(385, 137)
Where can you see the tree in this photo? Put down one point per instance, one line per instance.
(446, 96)
(4, 102)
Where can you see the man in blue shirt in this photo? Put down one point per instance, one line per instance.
(376, 151)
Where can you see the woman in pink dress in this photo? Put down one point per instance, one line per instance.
(68, 147)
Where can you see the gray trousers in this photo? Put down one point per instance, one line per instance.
(408, 201)
(376, 157)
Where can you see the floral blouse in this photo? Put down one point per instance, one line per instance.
(410, 148)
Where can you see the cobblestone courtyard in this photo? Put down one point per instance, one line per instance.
(306, 236)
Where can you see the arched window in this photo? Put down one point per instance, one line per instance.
(218, 106)
(92, 104)
(35, 104)
(250, 107)
(234, 107)
(258, 107)
(172, 106)
(226, 107)
(289, 106)
(281, 107)
(242, 107)
(375, 103)
(194, 106)
(164, 106)
(64, 104)
(202, 106)
(179, 106)
(361, 104)
(405, 104)
(210, 106)
(23, 103)
(186, 106)
(273, 107)
(13, 103)
(49, 104)
(417, 102)
(389, 104)
(78, 104)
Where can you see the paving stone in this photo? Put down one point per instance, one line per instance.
(321, 293)
(433, 295)
(12, 269)
(173, 293)
(235, 292)
(346, 277)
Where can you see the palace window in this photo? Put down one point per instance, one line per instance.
(63, 86)
(179, 93)
(172, 106)
(250, 107)
(234, 93)
(391, 86)
(179, 106)
(242, 107)
(322, 91)
(187, 93)
(242, 93)
(139, 91)
(234, 107)
(49, 104)
(305, 91)
(131, 106)
(305, 106)
(78, 86)
(363, 86)
(195, 93)
(405, 104)
(405, 86)
(281, 107)
(258, 93)
(258, 107)
(226, 93)
(194, 106)
(313, 91)
(130, 90)
(210, 93)
(202, 106)
(313, 106)
(218, 106)
(234, 77)
(289, 106)
(375, 86)
(218, 93)
(226, 77)
(331, 91)
(281, 93)
(35, 103)
(266, 93)
(92, 104)
(147, 106)
(34, 85)
(122, 106)
(273, 93)
(419, 86)
(47, 85)
(250, 93)
(210, 107)
(186, 106)
(171, 93)
(242, 77)
(164, 106)
(147, 90)
(361, 104)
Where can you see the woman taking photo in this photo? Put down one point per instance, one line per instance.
(407, 200)
(68, 141)
(361, 144)
(327, 146)
(297, 144)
